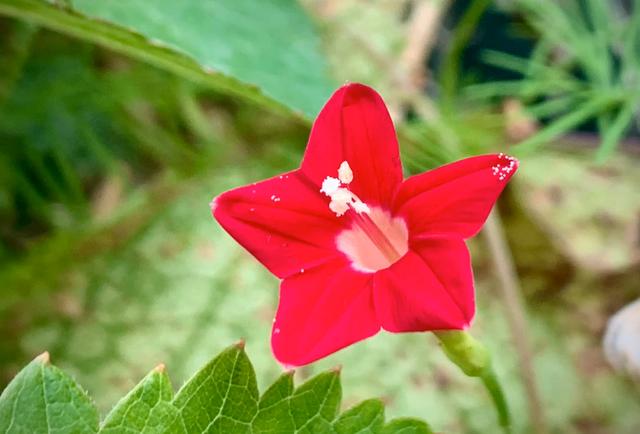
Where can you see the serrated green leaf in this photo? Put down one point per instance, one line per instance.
(144, 409)
(273, 415)
(314, 405)
(310, 408)
(221, 397)
(43, 399)
(365, 418)
(406, 426)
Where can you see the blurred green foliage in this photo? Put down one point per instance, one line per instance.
(585, 66)
(111, 261)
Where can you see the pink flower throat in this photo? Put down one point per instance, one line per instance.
(374, 241)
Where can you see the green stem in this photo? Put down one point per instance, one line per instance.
(472, 357)
(492, 385)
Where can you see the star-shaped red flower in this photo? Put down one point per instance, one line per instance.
(357, 247)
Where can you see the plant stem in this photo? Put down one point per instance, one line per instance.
(492, 385)
(472, 357)
(516, 317)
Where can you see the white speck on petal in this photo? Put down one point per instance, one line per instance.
(276, 331)
(345, 174)
(330, 185)
(275, 198)
(302, 270)
(501, 170)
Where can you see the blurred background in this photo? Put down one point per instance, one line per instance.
(119, 121)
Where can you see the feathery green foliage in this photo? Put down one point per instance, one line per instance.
(585, 67)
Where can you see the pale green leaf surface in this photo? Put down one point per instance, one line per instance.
(144, 409)
(269, 43)
(282, 83)
(273, 405)
(315, 404)
(43, 399)
(221, 397)
(406, 426)
(365, 418)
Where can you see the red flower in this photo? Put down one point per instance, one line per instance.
(357, 248)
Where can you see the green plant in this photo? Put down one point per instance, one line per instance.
(221, 397)
(585, 66)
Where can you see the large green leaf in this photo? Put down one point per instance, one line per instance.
(269, 43)
(222, 397)
(43, 399)
(265, 51)
(144, 409)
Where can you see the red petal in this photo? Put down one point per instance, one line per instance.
(355, 126)
(285, 222)
(430, 288)
(322, 311)
(454, 199)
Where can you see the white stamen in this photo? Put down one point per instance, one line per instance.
(345, 174)
(341, 195)
(361, 207)
(342, 198)
(330, 185)
(338, 208)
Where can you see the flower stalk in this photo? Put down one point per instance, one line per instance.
(473, 358)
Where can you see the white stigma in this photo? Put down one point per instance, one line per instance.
(345, 174)
(361, 207)
(341, 197)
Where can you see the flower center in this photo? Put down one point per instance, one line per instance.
(376, 239)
